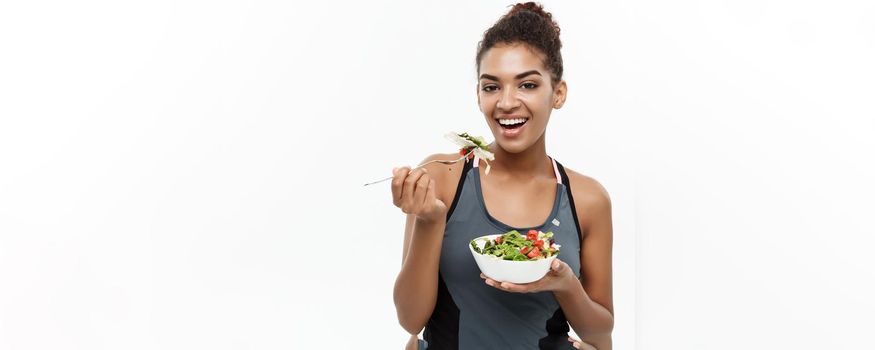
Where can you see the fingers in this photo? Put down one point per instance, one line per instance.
(513, 287)
(558, 266)
(578, 344)
(490, 282)
(509, 287)
(415, 192)
(398, 176)
(408, 190)
(430, 195)
(421, 189)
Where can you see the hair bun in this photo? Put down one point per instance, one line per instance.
(534, 8)
(526, 23)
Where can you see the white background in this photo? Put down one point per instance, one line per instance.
(187, 175)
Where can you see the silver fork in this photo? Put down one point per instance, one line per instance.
(424, 164)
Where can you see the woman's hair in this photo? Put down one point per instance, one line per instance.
(529, 24)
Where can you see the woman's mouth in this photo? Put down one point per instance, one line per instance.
(511, 127)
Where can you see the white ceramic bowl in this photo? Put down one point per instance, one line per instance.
(507, 270)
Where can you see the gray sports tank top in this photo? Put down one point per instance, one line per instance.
(471, 315)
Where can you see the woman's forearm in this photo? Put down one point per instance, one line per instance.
(416, 286)
(590, 320)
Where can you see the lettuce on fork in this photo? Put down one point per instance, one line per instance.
(472, 145)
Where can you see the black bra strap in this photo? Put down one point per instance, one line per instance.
(567, 184)
(468, 165)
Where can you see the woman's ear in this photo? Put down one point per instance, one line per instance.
(477, 93)
(559, 94)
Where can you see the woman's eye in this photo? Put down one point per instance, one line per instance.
(490, 88)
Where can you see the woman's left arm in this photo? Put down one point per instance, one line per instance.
(588, 303)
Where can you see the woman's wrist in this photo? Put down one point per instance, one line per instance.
(569, 284)
(431, 219)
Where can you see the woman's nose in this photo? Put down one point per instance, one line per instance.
(508, 100)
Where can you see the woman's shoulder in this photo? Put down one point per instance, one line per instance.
(589, 194)
(446, 175)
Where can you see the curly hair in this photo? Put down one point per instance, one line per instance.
(529, 24)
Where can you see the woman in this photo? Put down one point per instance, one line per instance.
(439, 287)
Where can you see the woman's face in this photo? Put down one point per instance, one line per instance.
(516, 96)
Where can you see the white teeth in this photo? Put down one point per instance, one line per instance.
(511, 121)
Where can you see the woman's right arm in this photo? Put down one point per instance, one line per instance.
(416, 286)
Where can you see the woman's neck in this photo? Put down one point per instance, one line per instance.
(525, 165)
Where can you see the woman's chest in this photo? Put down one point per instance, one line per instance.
(518, 205)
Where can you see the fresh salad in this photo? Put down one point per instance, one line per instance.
(514, 246)
(471, 146)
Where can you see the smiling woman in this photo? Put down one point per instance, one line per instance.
(520, 65)
(439, 288)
